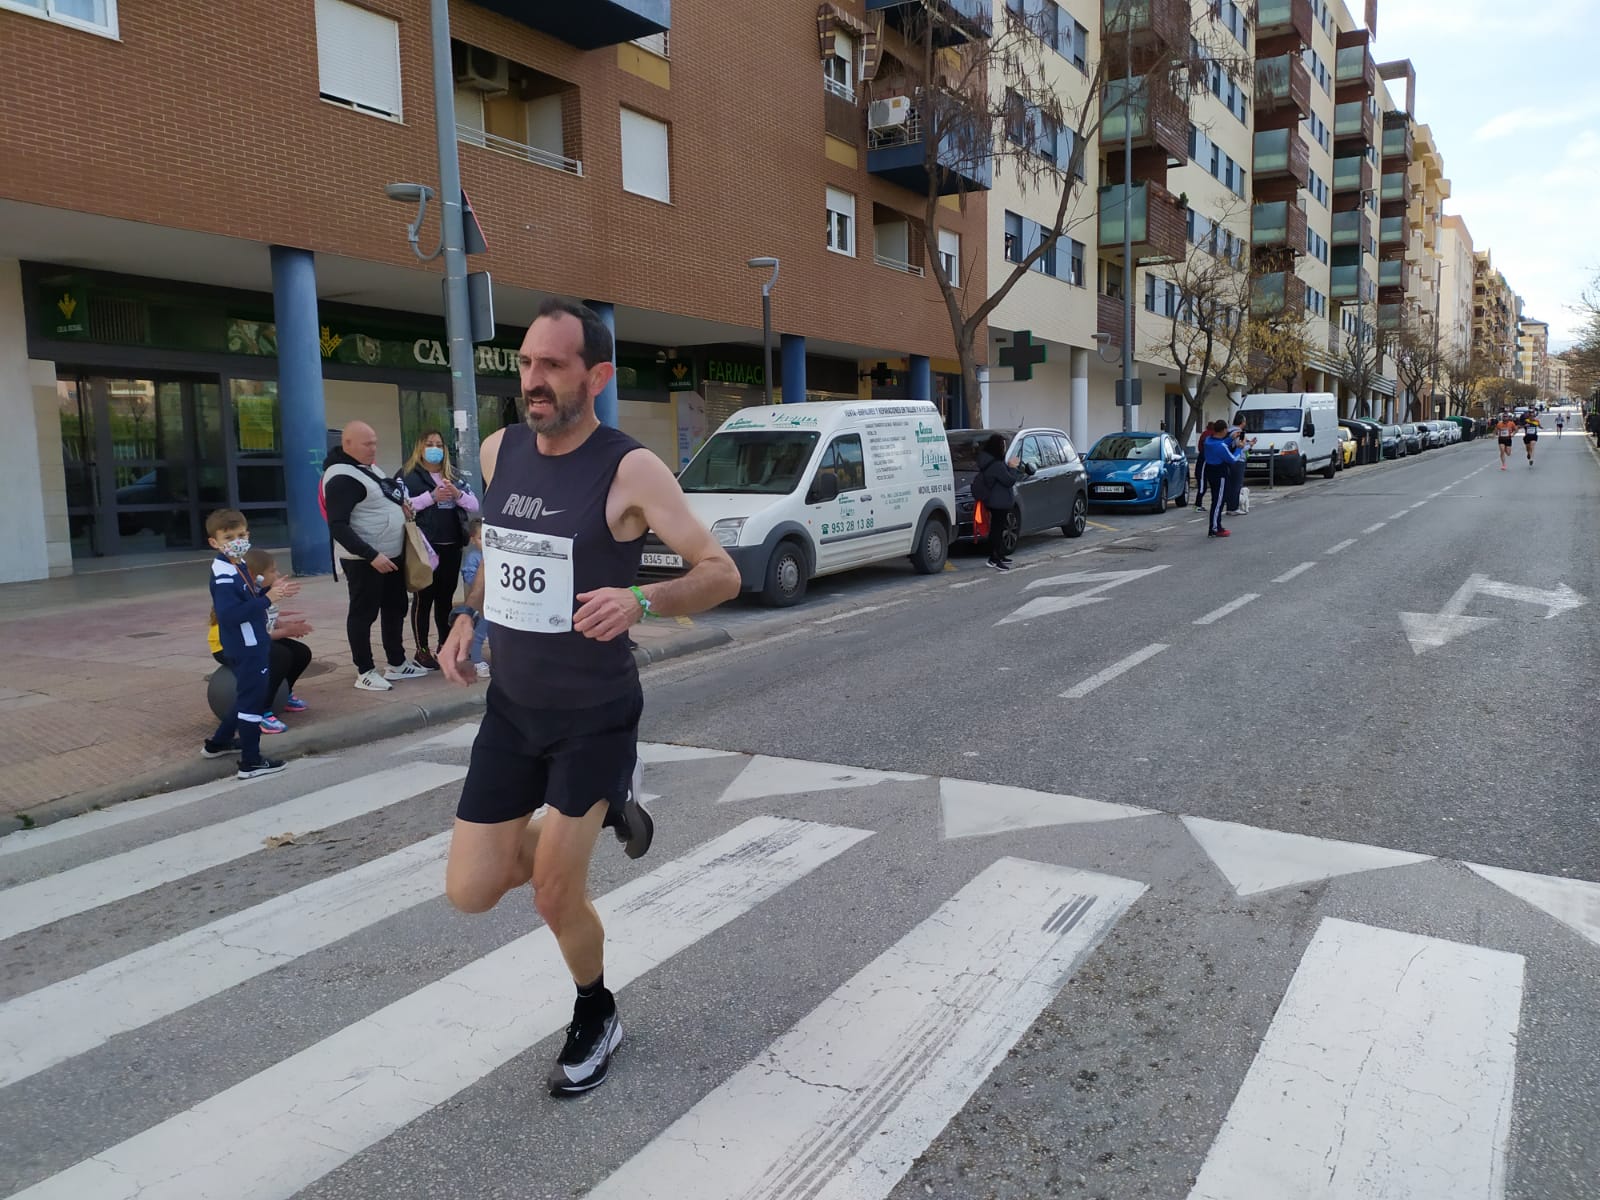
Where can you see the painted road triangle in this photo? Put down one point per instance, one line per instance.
(654, 752)
(1261, 860)
(978, 809)
(1573, 902)
(766, 776)
(1429, 631)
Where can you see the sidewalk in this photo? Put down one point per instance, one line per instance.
(103, 688)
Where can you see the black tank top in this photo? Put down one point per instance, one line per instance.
(563, 496)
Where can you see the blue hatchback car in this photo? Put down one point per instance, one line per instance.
(1138, 470)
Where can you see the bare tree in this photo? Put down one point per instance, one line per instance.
(1463, 371)
(988, 105)
(1206, 339)
(1361, 359)
(1277, 346)
(1414, 346)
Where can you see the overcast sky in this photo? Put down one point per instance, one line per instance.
(1511, 91)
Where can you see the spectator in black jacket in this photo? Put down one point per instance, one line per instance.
(444, 504)
(366, 516)
(1593, 424)
(995, 487)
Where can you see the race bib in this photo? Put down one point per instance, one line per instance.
(527, 580)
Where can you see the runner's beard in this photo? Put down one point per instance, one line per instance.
(568, 411)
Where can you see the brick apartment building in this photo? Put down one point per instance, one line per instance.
(161, 159)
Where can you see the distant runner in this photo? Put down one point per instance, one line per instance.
(1505, 429)
(1561, 423)
(1530, 434)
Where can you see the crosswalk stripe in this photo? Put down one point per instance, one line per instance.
(282, 1129)
(133, 810)
(67, 893)
(50, 1025)
(841, 1105)
(1386, 1074)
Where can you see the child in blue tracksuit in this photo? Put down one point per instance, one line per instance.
(241, 613)
(1220, 456)
(471, 564)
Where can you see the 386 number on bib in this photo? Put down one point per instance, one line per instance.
(528, 580)
(522, 579)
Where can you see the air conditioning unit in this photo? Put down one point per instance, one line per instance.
(483, 71)
(886, 114)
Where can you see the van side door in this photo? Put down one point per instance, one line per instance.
(843, 526)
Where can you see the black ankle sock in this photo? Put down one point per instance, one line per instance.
(594, 995)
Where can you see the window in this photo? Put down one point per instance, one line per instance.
(1029, 453)
(1317, 246)
(358, 58)
(839, 68)
(950, 255)
(1075, 262)
(843, 458)
(1318, 187)
(1318, 129)
(1072, 42)
(1014, 251)
(97, 16)
(841, 222)
(656, 43)
(644, 156)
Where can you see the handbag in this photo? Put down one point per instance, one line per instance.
(421, 558)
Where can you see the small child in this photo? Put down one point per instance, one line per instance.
(240, 611)
(471, 564)
(289, 658)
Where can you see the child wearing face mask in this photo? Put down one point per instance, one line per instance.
(443, 504)
(239, 610)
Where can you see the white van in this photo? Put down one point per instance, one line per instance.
(794, 491)
(1294, 432)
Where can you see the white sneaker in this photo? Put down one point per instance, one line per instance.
(406, 670)
(371, 681)
(483, 670)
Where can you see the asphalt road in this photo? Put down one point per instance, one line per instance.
(1230, 920)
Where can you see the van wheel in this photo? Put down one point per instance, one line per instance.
(1328, 471)
(786, 576)
(932, 549)
(1299, 474)
(1080, 517)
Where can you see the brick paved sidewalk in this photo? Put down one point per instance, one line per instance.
(105, 692)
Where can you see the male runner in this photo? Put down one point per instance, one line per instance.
(1561, 424)
(1504, 429)
(1530, 433)
(566, 505)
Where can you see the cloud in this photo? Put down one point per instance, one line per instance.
(1525, 120)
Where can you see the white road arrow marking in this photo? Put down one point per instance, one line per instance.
(1106, 580)
(1429, 631)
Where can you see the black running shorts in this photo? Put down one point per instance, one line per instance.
(1530, 437)
(1505, 441)
(524, 758)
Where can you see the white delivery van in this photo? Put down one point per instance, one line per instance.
(1294, 432)
(794, 491)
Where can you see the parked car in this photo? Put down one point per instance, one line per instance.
(795, 491)
(1137, 470)
(1393, 441)
(1054, 492)
(1347, 448)
(1416, 440)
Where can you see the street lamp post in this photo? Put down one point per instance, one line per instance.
(1127, 216)
(766, 317)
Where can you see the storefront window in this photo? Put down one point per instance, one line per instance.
(420, 412)
(257, 424)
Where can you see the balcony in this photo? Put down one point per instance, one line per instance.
(1158, 115)
(964, 160)
(1279, 225)
(1282, 153)
(1394, 187)
(1389, 316)
(1109, 315)
(955, 21)
(592, 24)
(1287, 19)
(1283, 83)
(1348, 285)
(1393, 276)
(1352, 173)
(1355, 72)
(1351, 228)
(1153, 26)
(1354, 119)
(1158, 226)
(1392, 233)
(1397, 139)
(1277, 292)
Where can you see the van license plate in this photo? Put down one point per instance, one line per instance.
(661, 560)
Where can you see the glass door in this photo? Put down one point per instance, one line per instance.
(78, 459)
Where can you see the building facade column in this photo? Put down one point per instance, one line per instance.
(793, 348)
(1078, 399)
(921, 377)
(981, 409)
(301, 410)
(605, 404)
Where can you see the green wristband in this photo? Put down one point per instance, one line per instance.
(644, 601)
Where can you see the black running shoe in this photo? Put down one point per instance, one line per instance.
(210, 749)
(592, 1039)
(634, 828)
(267, 766)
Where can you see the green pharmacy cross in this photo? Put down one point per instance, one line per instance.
(1021, 356)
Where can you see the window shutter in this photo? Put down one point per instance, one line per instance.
(358, 57)
(645, 169)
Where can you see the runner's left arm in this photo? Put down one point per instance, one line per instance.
(710, 580)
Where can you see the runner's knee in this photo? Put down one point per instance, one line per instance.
(557, 895)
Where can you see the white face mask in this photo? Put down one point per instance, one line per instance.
(236, 547)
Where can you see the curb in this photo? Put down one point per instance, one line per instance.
(337, 734)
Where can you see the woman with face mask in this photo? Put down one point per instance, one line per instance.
(444, 504)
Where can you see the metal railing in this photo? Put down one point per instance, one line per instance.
(895, 264)
(842, 90)
(534, 154)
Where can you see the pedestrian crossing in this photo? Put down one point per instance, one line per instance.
(908, 932)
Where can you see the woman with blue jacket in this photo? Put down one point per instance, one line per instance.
(1220, 455)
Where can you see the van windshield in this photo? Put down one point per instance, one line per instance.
(765, 462)
(1271, 420)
